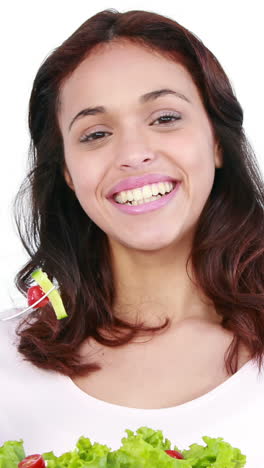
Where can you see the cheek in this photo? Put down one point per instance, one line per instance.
(195, 155)
(196, 148)
(202, 172)
(85, 174)
(88, 190)
(85, 192)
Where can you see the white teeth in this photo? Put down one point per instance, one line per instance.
(144, 193)
(147, 192)
(154, 189)
(162, 188)
(123, 197)
(129, 195)
(137, 194)
(167, 186)
(145, 200)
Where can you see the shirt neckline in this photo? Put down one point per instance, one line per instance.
(149, 411)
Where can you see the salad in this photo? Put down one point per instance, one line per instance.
(144, 449)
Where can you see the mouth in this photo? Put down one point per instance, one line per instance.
(142, 203)
(145, 194)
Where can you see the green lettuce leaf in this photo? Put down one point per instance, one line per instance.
(86, 454)
(144, 450)
(216, 454)
(11, 453)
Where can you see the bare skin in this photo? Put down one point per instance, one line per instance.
(173, 368)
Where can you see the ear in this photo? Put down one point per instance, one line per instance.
(68, 178)
(218, 158)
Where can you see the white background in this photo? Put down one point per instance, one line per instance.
(29, 31)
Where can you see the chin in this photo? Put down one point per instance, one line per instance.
(150, 243)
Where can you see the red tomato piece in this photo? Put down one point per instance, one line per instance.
(32, 461)
(34, 294)
(174, 454)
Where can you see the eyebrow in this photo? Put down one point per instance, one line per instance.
(151, 96)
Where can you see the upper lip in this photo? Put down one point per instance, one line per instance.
(140, 181)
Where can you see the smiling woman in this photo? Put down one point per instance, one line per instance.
(148, 211)
(134, 141)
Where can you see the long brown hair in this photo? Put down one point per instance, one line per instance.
(228, 248)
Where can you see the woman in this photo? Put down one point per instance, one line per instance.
(147, 209)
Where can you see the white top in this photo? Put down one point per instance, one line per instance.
(49, 412)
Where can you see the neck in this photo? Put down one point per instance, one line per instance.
(152, 286)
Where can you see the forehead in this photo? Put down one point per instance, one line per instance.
(117, 73)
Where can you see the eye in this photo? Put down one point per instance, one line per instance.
(169, 118)
(90, 137)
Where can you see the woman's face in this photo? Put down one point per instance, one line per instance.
(135, 139)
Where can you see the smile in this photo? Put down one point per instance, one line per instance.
(143, 200)
(145, 194)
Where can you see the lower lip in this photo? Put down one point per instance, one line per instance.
(146, 207)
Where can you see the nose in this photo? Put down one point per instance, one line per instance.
(133, 151)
